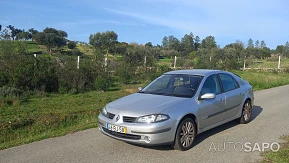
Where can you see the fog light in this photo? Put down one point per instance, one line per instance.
(147, 139)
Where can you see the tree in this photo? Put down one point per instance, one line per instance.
(14, 31)
(209, 43)
(237, 47)
(266, 52)
(279, 49)
(40, 38)
(257, 44)
(52, 40)
(165, 42)
(50, 37)
(62, 34)
(71, 45)
(197, 42)
(240, 43)
(173, 43)
(121, 48)
(263, 45)
(202, 59)
(286, 49)
(250, 43)
(59, 33)
(230, 59)
(32, 33)
(169, 52)
(51, 30)
(0, 27)
(22, 35)
(187, 44)
(149, 44)
(104, 40)
(135, 55)
(5, 35)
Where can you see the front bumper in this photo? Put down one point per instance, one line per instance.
(140, 133)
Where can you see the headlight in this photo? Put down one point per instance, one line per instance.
(104, 112)
(152, 118)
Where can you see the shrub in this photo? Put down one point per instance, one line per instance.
(72, 78)
(102, 83)
(9, 92)
(71, 45)
(76, 52)
(11, 96)
(164, 68)
(125, 74)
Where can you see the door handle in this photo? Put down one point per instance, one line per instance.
(242, 93)
(222, 100)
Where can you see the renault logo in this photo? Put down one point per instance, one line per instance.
(117, 118)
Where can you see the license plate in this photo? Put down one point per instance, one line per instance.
(115, 128)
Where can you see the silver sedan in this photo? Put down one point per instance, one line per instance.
(177, 106)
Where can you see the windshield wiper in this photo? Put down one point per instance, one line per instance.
(144, 92)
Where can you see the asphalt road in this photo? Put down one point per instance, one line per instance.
(270, 121)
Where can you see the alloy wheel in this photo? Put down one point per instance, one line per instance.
(187, 134)
(247, 112)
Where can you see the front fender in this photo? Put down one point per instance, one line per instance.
(179, 111)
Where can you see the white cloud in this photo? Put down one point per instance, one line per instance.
(80, 22)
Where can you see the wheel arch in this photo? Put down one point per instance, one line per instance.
(247, 99)
(192, 116)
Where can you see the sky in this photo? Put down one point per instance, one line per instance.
(145, 21)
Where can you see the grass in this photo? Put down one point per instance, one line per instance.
(264, 80)
(281, 156)
(34, 47)
(57, 114)
(270, 63)
(166, 61)
(51, 116)
(85, 49)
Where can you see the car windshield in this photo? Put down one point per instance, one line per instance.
(178, 85)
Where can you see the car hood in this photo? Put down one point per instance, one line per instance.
(145, 103)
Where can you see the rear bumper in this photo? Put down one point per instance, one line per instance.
(140, 133)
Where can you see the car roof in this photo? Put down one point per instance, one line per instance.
(202, 72)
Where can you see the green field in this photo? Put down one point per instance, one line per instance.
(51, 115)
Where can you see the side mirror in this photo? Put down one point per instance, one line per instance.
(208, 96)
(139, 88)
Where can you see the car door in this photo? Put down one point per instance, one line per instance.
(211, 110)
(234, 96)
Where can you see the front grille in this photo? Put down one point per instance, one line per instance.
(110, 115)
(121, 135)
(129, 119)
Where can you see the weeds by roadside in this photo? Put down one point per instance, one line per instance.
(281, 156)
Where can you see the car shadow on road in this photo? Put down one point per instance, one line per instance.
(256, 111)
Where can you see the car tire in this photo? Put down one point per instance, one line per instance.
(246, 113)
(185, 135)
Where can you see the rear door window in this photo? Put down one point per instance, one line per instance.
(228, 82)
